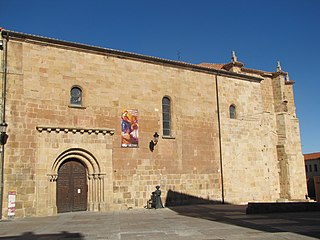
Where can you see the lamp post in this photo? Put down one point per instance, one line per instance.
(154, 142)
(155, 138)
(3, 126)
(3, 133)
(3, 141)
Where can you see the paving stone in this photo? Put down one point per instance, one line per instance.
(187, 223)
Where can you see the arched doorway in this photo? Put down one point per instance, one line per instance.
(72, 188)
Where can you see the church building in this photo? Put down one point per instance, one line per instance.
(86, 128)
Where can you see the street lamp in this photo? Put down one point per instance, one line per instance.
(3, 125)
(3, 141)
(155, 138)
(3, 133)
(154, 142)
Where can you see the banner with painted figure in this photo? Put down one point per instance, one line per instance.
(129, 128)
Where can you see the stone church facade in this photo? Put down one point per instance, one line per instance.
(82, 122)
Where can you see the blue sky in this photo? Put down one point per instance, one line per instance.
(261, 32)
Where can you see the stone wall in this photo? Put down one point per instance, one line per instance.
(45, 130)
(248, 143)
(39, 80)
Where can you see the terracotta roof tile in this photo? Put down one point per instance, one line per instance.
(311, 156)
(217, 66)
(223, 66)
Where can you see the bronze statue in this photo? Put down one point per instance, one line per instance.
(157, 194)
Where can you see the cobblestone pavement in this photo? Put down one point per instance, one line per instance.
(211, 222)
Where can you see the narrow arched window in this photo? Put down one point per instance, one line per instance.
(166, 116)
(76, 96)
(232, 111)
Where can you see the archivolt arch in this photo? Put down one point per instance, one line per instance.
(82, 155)
(96, 179)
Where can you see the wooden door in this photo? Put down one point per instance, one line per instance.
(72, 187)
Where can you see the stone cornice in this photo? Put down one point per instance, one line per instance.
(52, 177)
(74, 130)
(290, 82)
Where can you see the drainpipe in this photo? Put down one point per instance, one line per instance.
(4, 92)
(220, 145)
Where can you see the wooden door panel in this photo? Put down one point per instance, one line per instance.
(80, 187)
(78, 168)
(72, 187)
(80, 192)
(63, 194)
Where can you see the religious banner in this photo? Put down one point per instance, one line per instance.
(129, 128)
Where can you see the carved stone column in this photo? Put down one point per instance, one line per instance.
(90, 192)
(96, 201)
(52, 185)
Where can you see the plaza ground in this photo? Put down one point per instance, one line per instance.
(211, 222)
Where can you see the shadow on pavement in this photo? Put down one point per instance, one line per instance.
(303, 223)
(177, 199)
(32, 236)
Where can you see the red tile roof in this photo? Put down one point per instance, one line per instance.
(223, 66)
(311, 156)
(217, 66)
